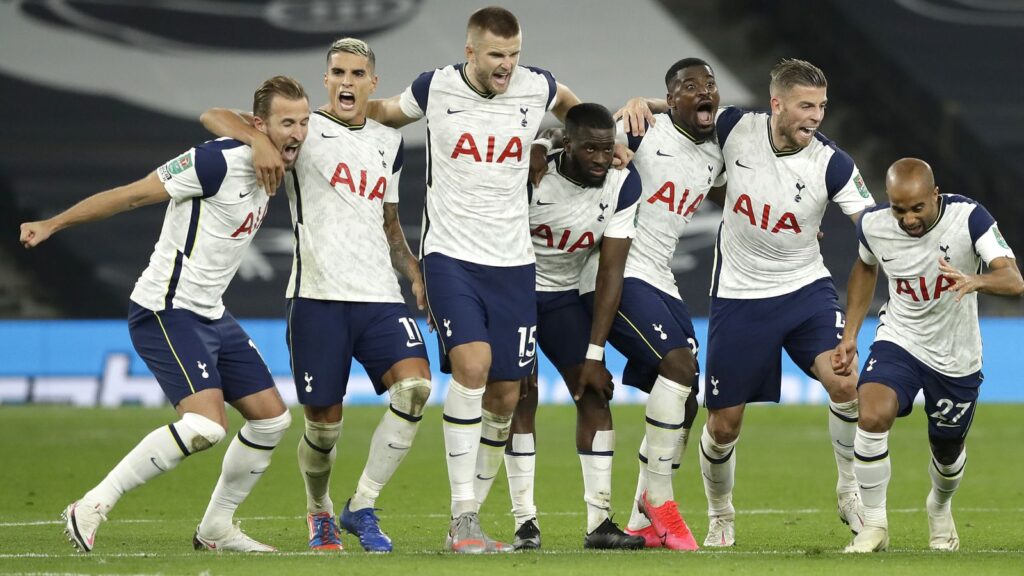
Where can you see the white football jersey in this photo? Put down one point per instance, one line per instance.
(337, 190)
(677, 171)
(478, 160)
(922, 315)
(568, 221)
(768, 245)
(216, 206)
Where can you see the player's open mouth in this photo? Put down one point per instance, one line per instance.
(347, 101)
(500, 79)
(290, 152)
(705, 114)
(807, 131)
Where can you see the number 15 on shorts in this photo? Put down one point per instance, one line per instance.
(527, 344)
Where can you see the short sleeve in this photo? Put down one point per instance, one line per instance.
(413, 100)
(623, 222)
(988, 241)
(196, 173)
(845, 185)
(863, 248)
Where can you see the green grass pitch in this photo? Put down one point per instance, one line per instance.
(786, 521)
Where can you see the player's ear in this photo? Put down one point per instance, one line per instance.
(373, 84)
(259, 124)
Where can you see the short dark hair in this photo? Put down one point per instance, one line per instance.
(791, 72)
(587, 115)
(673, 71)
(496, 20)
(277, 86)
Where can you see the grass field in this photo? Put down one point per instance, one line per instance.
(786, 521)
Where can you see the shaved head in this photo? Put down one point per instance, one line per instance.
(913, 196)
(908, 173)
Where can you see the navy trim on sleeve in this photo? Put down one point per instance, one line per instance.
(840, 168)
(399, 157)
(211, 166)
(421, 88)
(631, 189)
(726, 121)
(634, 141)
(552, 85)
(979, 221)
(860, 233)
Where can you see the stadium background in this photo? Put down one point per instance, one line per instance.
(97, 93)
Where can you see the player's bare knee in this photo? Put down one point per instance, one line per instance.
(690, 411)
(197, 432)
(409, 396)
(723, 430)
(946, 450)
(471, 372)
(840, 388)
(679, 365)
(873, 421)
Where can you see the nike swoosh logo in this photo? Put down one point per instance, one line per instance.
(539, 203)
(871, 487)
(413, 344)
(450, 455)
(944, 425)
(663, 459)
(706, 477)
(479, 477)
(743, 165)
(393, 447)
(243, 195)
(844, 445)
(153, 460)
(884, 259)
(318, 475)
(326, 135)
(450, 111)
(523, 364)
(660, 153)
(257, 472)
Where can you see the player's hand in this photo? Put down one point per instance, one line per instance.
(843, 357)
(595, 377)
(963, 284)
(266, 161)
(635, 115)
(420, 293)
(623, 156)
(35, 233)
(538, 163)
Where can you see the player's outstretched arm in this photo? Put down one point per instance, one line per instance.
(564, 100)
(266, 158)
(548, 139)
(1002, 279)
(148, 190)
(606, 304)
(389, 112)
(859, 290)
(401, 256)
(639, 112)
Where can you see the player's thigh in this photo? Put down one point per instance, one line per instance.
(950, 403)
(320, 348)
(385, 335)
(563, 328)
(455, 302)
(242, 369)
(820, 328)
(744, 352)
(510, 298)
(179, 347)
(892, 367)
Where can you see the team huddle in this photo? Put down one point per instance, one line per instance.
(564, 242)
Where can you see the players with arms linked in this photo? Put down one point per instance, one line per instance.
(770, 290)
(477, 259)
(199, 354)
(931, 247)
(344, 299)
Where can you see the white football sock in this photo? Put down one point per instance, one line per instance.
(945, 480)
(873, 469)
(317, 452)
(245, 461)
(494, 431)
(718, 466)
(665, 412)
(842, 427)
(520, 463)
(391, 440)
(597, 478)
(637, 519)
(160, 451)
(463, 409)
